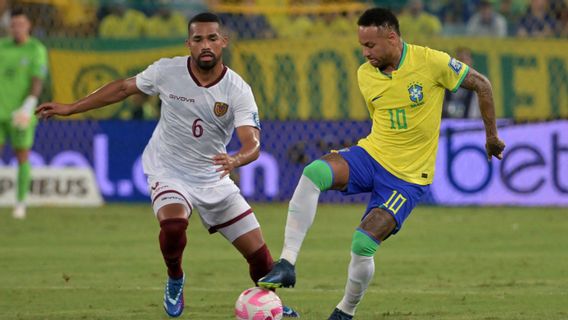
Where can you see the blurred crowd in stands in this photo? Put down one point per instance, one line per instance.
(248, 19)
(267, 19)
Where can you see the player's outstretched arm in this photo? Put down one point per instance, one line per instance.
(249, 137)
(480, 84)
(110, 93)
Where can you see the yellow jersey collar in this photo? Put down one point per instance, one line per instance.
(400, 62)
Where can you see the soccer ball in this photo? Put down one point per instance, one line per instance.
(258, 304)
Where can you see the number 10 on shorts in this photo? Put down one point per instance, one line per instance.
(395, 202)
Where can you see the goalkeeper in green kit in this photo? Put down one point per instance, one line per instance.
(23, 67)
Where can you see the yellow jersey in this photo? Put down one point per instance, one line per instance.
(406, 110)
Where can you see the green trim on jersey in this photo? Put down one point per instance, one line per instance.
(461, 79)
(402, 59)
(384, 74)
(403, 56)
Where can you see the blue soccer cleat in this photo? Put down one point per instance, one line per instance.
(288, 312)
(282, 274)
(173, 296)
(339, 315)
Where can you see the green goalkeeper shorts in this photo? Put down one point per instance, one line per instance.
(19, 139)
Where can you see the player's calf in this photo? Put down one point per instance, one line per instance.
(260, 263)
(359, 274)
(172, 243)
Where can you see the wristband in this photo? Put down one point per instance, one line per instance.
(29, 104)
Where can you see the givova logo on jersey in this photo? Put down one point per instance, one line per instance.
(181, 98)
(220, 109)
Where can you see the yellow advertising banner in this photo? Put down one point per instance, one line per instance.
(529, 76)
(316, 78)
(305, 78)
(76, 73)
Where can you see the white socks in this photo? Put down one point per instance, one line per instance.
(360, 274)
(301, 214)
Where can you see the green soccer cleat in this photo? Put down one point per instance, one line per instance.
(282, 275)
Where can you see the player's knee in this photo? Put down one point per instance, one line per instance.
(172, 237)
(364, 244)
(172, 210)
(319, 172)
(174, 227)
(382, 222)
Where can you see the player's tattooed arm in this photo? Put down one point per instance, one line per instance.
(480, 84)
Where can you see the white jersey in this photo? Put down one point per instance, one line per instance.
(196, 121)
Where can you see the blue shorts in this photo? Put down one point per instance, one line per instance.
(388, 192)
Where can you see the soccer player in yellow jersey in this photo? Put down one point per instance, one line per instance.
(403, 86)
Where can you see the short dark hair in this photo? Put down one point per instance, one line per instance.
(379, 17)
(204, 17)
(18, 11)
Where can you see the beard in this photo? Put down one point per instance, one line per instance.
(379, 64)
(376, 64)
(207, 65)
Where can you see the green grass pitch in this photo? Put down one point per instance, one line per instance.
(447, 263)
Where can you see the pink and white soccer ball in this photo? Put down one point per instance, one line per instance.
(258, 304)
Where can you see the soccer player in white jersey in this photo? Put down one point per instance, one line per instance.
(186, 161)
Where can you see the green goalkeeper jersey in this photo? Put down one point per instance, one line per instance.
(18, 64)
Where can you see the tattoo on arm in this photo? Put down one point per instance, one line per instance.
(481, 85)
(475, 81)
